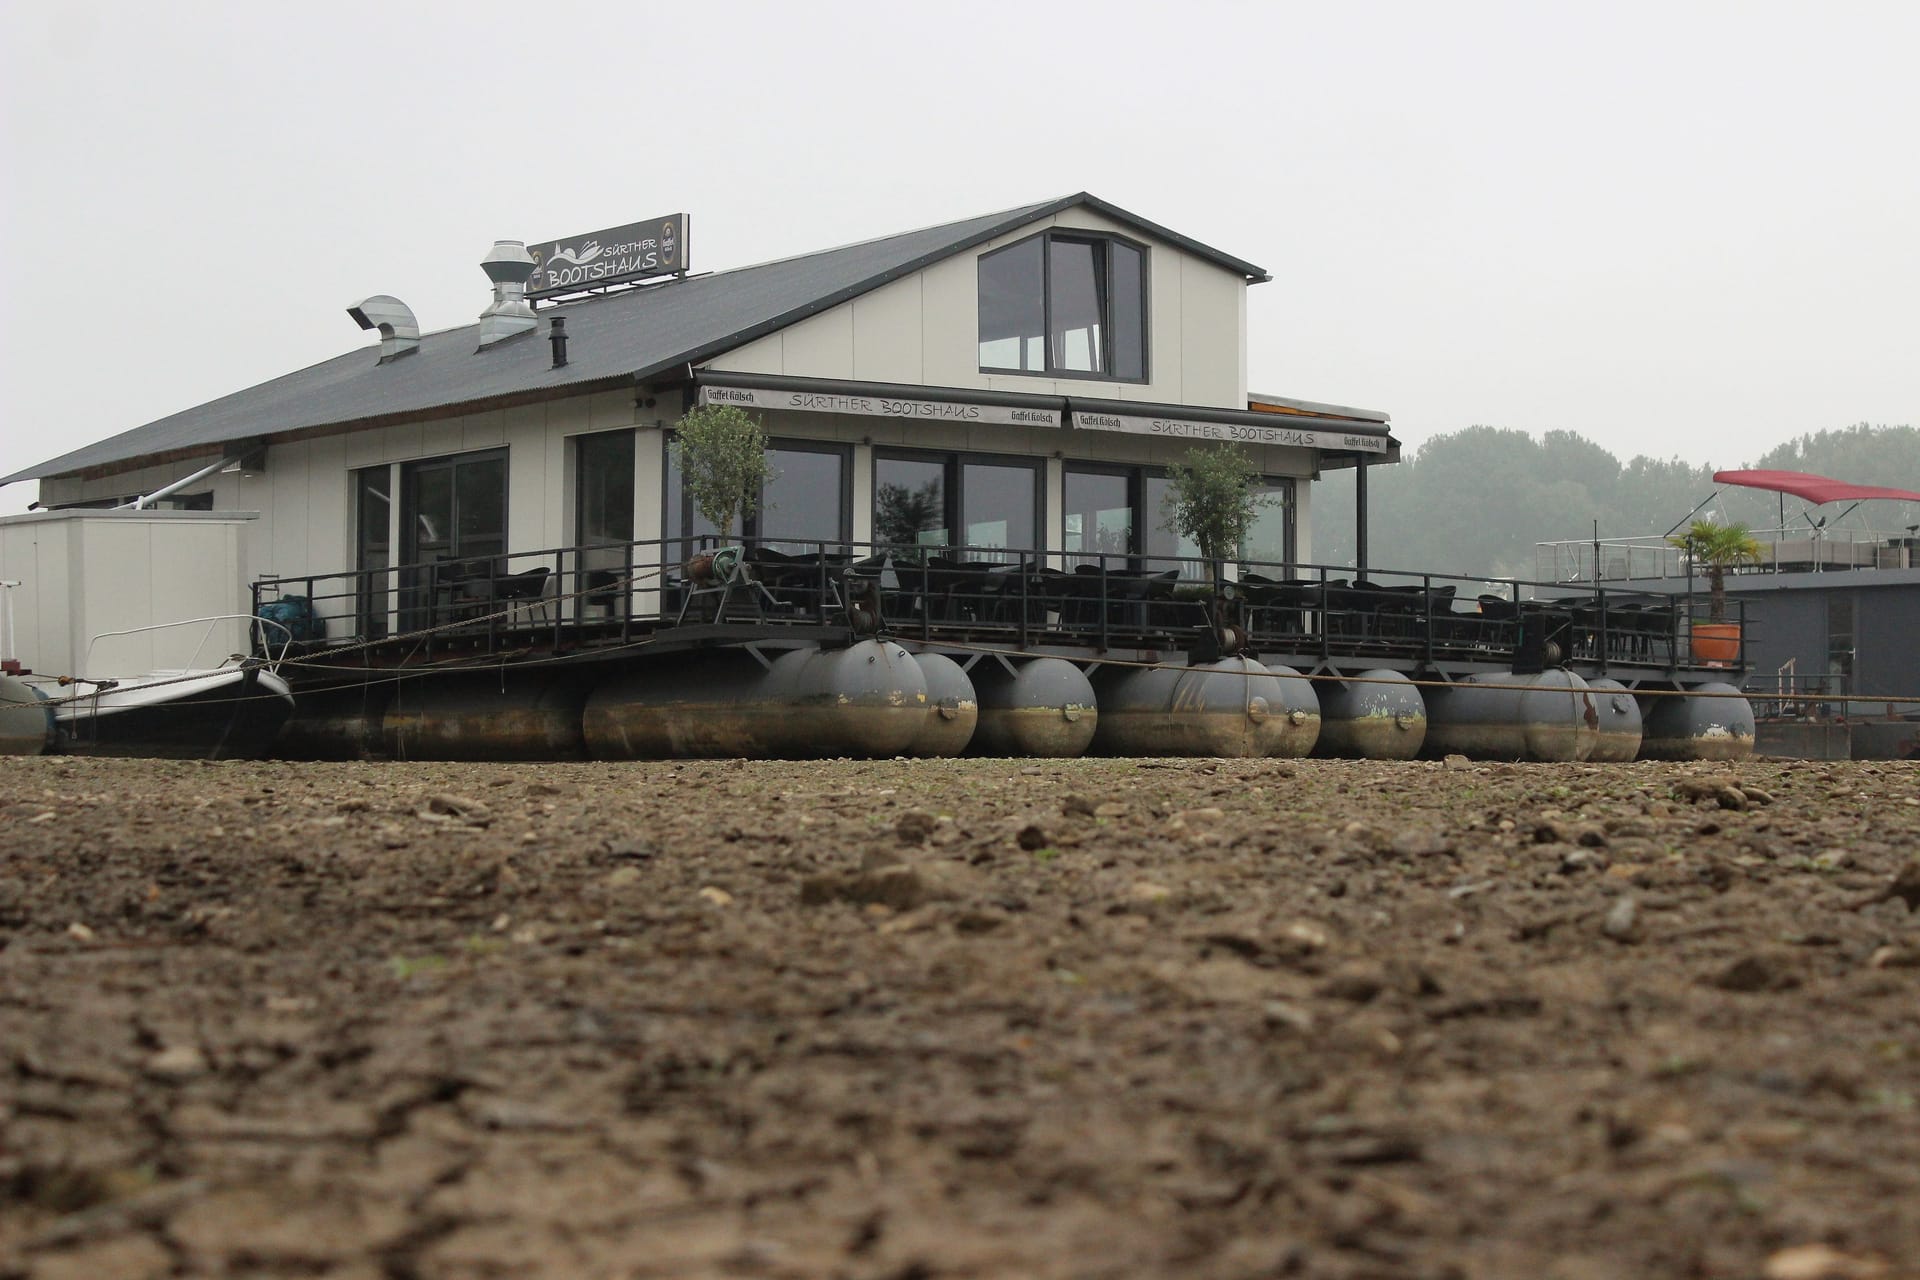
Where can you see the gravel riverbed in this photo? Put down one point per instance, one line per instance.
(959, 1018)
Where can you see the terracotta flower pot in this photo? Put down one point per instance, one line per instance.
(1716, 642)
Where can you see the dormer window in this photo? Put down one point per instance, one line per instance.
(1065, 304)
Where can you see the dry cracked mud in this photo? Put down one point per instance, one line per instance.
(980, 1018)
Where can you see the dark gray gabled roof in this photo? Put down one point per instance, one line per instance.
(613, 339)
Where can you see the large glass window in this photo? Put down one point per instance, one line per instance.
(808, 502)
(1013, 308)
(1165, 547)
(454, 508)
(1118, 511)
(1098, 519)
(910, 502)
(987, 505)
(603, 488)
(805, 503)
(1269, 543)
(1064, 304)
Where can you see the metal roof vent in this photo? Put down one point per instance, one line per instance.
(509, 266)
(399, 331)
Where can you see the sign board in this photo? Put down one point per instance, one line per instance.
(874, 406)
(1238, 432)
(656, 247)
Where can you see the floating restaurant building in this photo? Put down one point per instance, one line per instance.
(970, 429)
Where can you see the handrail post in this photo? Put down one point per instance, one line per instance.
(1426, 607)
(626, 594)
(1326, 640)
(926, 598)
(1024, 572)
(1106, 605)
(1601, 645)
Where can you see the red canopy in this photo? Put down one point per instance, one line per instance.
(1818, 490)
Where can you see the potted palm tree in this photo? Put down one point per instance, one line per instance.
(1717, 548)
(722, 456)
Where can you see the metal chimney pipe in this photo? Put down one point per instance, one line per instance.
(557, 335)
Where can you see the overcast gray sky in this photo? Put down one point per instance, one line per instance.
(1679, 229)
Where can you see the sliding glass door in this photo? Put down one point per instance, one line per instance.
(602, 516)
(453, 513)
(373, 550)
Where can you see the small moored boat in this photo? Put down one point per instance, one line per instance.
(226, 712)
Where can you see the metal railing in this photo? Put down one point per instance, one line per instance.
(1786, 694)
(1783, 550)
(567, 597)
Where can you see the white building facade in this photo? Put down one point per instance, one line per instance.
(1013, 383)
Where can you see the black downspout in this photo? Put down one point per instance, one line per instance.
(1360, 515)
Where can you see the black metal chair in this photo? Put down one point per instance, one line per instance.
(1623, 630)
(1499, 622)
(1658, 624)
(483, 594)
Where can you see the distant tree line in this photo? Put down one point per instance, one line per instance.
(1476, 501)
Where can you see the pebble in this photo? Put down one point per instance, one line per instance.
(901, 886)
(459, 808)
(79, 932)
(177, 1062)
(1758, 971)
(914, 826)
(1421, 842)
(1623, 921)
(718, 897)
(1282, 1015)
(1820, 1262)
(623, 877)
(1895, 958)
(1358, 982)
(1304, 936)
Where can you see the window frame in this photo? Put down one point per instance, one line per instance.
(749, 531)
(580, 444)
(1077, 236)
(953, 463)
(1137, 476)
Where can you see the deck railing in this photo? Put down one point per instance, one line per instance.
(568, 597)
(1782, 550)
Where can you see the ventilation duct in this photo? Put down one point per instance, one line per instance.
(509, 266)
(399, 331)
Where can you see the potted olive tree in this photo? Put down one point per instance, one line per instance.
(1717, 548)
(1211, 498)
(722, 456)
